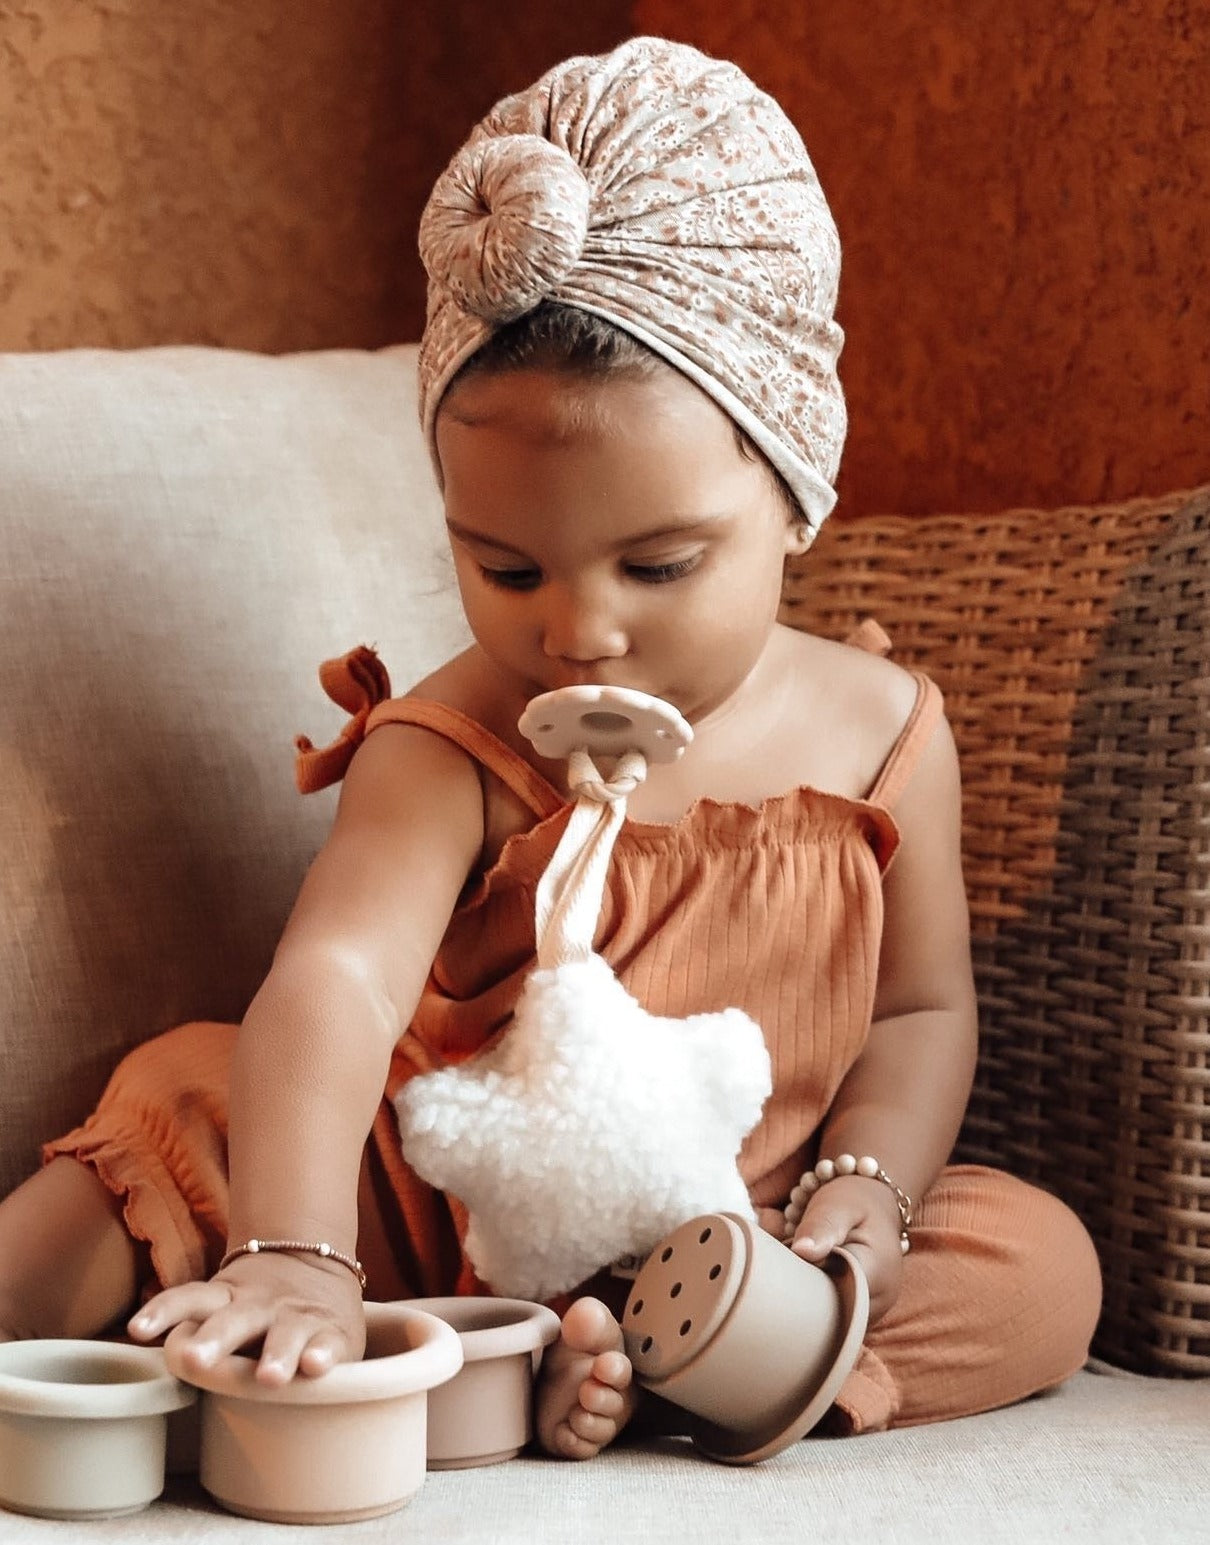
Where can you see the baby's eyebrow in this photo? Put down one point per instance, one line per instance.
(691, 526)
(467, 535)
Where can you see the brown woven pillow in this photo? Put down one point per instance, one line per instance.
(1073, 647)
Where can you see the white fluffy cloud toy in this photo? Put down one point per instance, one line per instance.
(590, 1131)
(591, 1128)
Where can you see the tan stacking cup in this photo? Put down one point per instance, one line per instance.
(346, 1446)
(730, 1325)
(83, 1427)
(485, 1414)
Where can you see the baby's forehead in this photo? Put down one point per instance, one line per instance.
(555, 404)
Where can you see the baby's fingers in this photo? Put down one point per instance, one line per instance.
(816, 1245)
(822, 1229)
(192, 1301)
(238, 1323)
(297, 1344)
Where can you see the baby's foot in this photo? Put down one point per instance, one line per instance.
(584, 1396)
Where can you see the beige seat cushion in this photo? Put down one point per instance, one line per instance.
(185, 534)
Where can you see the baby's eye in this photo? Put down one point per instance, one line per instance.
(512, 579)
(662, 573)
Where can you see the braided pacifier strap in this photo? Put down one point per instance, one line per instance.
(568, 901)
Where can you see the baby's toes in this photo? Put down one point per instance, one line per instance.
(566, 1442)
(601, 1399)
(594, 1429)
(611, 1370)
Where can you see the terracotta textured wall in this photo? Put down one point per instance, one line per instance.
(243, 172)
(1021, 187)
(1023, 194)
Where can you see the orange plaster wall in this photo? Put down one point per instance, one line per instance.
(1023, 195)
(1021, 189)
(248, 174)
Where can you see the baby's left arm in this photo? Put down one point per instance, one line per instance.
(904, 1098)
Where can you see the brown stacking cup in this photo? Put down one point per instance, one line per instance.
(729, 1324)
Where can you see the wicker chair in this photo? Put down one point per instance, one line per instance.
(1073, 648)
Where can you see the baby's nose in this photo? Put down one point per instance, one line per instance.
(578, 626)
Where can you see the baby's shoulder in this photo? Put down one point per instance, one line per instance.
(388, 737)
(452, 684)
(470, 685)
(852, 705)
(868, 689)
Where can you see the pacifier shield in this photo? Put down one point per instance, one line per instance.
(604, 721)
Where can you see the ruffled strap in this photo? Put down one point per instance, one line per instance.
(357, 682)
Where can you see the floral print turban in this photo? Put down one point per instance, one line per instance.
(663, 191)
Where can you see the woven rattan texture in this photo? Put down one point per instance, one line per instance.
(1073, 647)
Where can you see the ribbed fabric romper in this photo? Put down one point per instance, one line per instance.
(777, 911)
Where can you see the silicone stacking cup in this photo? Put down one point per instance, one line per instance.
(342, 1447)
(752, 1341)
(485, 1414)
(83, 1427)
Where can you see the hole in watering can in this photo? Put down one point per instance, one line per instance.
(715, 1273)
(667, 1255)
(686, 1327)
(637, 1306)
(648, 1343)
(704, 1236)
(676, 1288)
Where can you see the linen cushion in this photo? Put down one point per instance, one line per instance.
(185, 534)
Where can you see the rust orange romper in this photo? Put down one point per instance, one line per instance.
(776, 910)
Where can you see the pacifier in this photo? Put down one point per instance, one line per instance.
(604, 721)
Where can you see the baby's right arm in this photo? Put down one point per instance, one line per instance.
(313, 1052)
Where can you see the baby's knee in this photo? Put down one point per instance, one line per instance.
(1023, 1255)
(1067, 1240)
(1057, 1276)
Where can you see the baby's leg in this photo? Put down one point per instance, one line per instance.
(1000, 1298)
(67, 1265)
(585, 1395)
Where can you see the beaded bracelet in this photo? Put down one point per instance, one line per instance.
(832, 1169)
(295, 1247)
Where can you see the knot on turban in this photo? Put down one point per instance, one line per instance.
(661, 190)
(505, 224)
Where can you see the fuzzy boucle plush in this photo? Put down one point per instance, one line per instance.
(589, 1131)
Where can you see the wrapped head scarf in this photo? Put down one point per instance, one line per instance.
(661, 190)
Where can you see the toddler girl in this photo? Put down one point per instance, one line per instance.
(628, 383)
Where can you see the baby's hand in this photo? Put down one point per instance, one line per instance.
(862, 1215)
(307, 1313)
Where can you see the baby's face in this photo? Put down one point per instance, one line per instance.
(611, 532)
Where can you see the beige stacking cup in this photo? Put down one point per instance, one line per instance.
(83, 1427)
(347, 1446)
(754, 1342)
(485, 1414)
